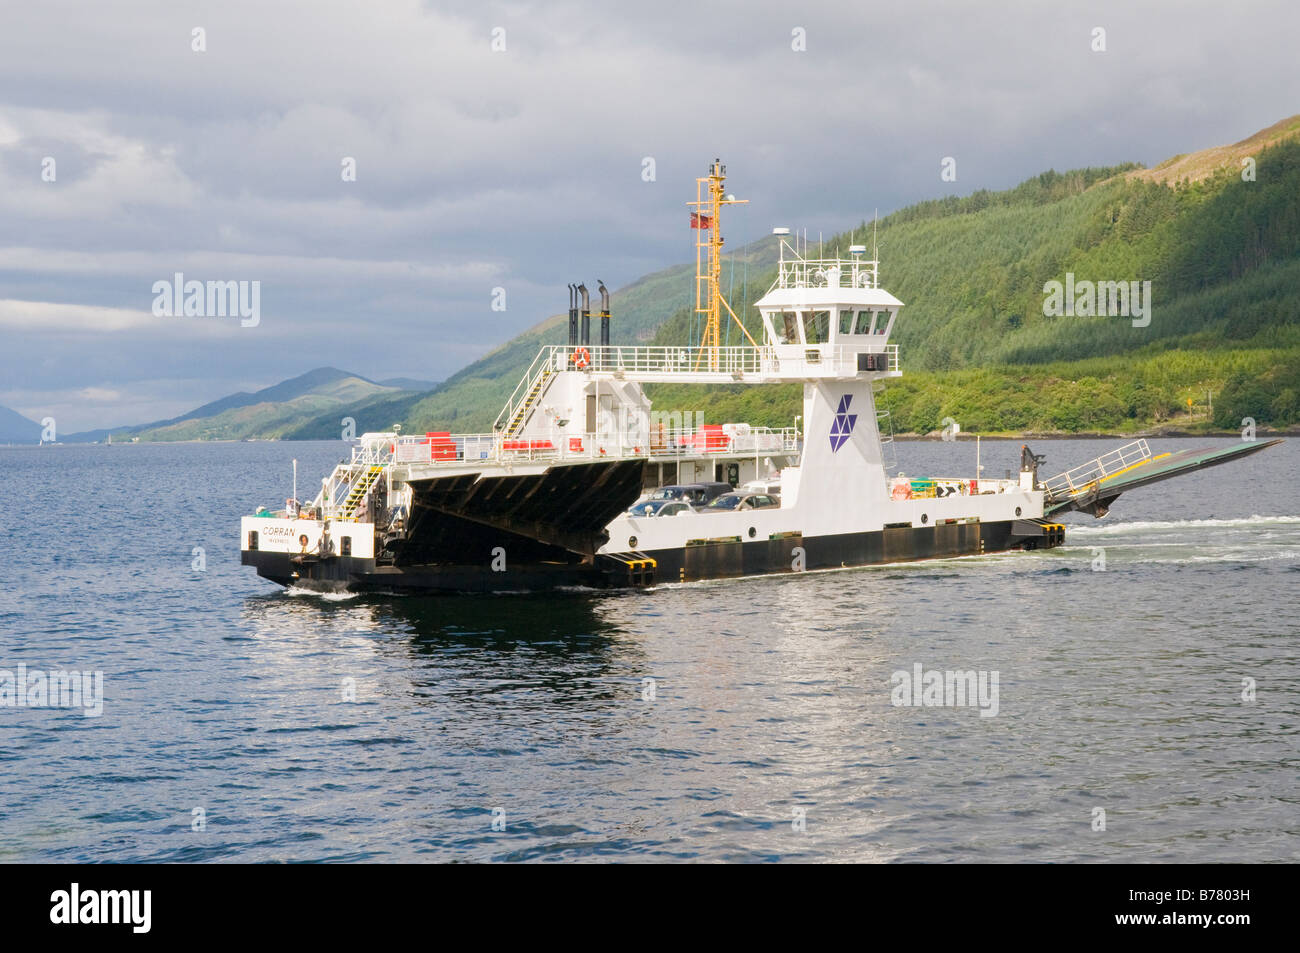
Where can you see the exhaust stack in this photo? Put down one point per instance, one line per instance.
(586, 315)
(604, 314)
(573, 315)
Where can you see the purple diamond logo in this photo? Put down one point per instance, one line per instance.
(843, 423)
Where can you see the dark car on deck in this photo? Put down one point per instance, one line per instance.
(696, 494)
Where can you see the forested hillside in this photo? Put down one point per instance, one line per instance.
(1220, 248)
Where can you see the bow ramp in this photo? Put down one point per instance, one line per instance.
(1095, 485)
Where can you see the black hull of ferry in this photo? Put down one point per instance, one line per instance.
(350, 574)
(718, 559)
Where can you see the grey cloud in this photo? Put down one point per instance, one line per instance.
(523, 168)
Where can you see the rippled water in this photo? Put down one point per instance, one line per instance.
(1118, 689)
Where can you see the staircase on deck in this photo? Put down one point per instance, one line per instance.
(527, 394)
(360, 489)
(353, 483)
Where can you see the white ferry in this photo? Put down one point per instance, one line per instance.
(542, 501)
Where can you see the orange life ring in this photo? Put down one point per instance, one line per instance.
(582, 357)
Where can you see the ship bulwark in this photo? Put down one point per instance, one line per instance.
(558, 515)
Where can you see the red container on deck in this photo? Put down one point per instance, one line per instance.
(714, 438)
(441, 446)
(527, 445)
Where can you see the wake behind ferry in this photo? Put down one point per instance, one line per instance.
(546, 500)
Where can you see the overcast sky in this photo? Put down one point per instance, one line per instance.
(519, 168)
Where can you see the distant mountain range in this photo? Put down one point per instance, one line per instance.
(15, 428)
(309, 406)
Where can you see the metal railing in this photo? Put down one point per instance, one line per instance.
(374, 449)
(620, 359)
(369, 460)
(1083, 477)
(457, 450)
(815, 359)
(826, 273)
(335, 497)
(376, 453)
(888, 450)
(636, 359)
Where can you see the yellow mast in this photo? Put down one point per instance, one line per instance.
(708, 292)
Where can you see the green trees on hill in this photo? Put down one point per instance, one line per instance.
(1049, 186)
(1222, 254)
(1271, 395)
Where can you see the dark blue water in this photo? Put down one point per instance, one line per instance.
(1120, 690)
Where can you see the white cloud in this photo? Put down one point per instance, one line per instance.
(204, 265)
(48, 316)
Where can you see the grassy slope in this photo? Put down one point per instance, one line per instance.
(275, 419)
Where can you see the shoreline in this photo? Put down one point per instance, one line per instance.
(906, 437)
(1099, 435)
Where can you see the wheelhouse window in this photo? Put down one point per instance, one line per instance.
(846, 321)
(787, 330)
(882, 322)
(864, 322)
(817, 327)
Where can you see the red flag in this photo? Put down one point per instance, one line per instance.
(701, 221)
